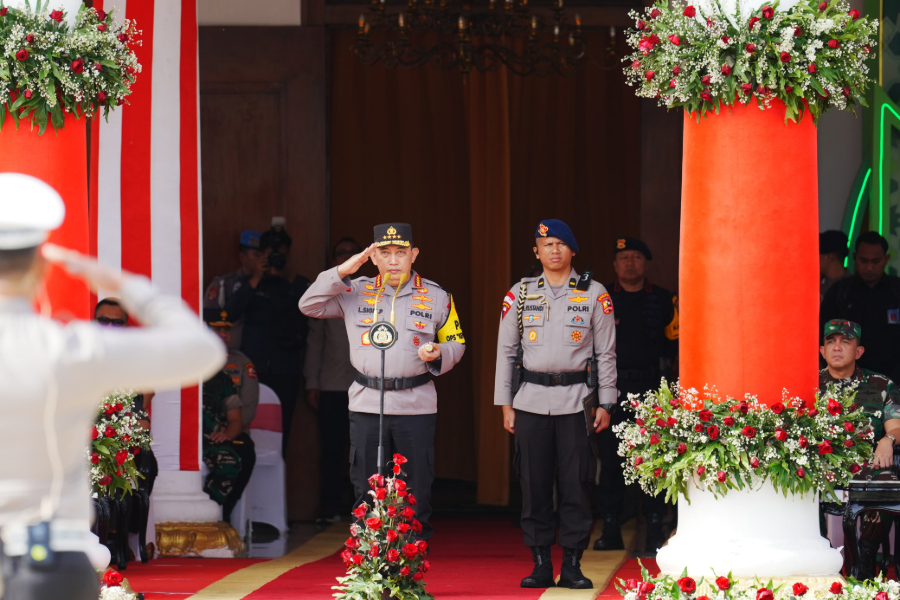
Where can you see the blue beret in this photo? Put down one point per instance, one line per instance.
(250, 239)
(558, 229)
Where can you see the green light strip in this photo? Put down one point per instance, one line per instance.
(881, 168)
(862, 191)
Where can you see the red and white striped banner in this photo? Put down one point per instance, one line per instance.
(145, 189)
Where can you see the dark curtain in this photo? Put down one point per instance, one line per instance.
(473, 164)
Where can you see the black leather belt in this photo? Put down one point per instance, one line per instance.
(554, 379)
(395, 384)
(648, 374)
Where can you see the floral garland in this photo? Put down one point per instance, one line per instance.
(667, 587)
(381, 554)
(113, 586)
(812, 56)
(48, 70)
(729, 444)
(117, 437)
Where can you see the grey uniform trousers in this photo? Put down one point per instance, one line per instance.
(554, 448)
(409, 435)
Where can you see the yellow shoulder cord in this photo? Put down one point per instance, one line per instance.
(403, 277)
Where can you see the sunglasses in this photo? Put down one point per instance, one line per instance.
(107, 322)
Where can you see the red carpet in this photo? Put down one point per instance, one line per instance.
(180, 578)
(630, 570)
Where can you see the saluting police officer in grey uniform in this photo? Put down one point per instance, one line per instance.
(430, 343)
(562, 323)
(53, 377)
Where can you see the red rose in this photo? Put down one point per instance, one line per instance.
(721, 476)
(753, 21)
(675, 40)
(399, 459)
(743, 406)
(646, 587)
(706, 79)
(347, 556)
(425, 566)
(836, 588)
(109, 432)
(655, 13)
(112, 578)
(778, 408)
(848, 443)
(690, 12)
(748, 431)
(105, 480)
(638, 460)
(391, 512)
(798, 32)
(726, 70)
(750, 48)
(380, 494)
(29, 38)
(855, 468)
(789, 89)
(649, 75)
(28, 94)
(701, 470)
(728, 421)
(881, 596)
(705, 415)
(374, 523)
(352, 542)
(708, 97)
(643, 430)
(854, 14)
(781, 435)
(834, 44)
(801, 473)
(22, 55)
(698, 428)
(825, 447)
(812, 69)
(410, 551)
(56, 15)
(373, 551)
(100, 14)
(803, 442)
(676, 71)
(101, 96)
(393, 555)
(800, 589)
(764, 594)
(687, 585)
(754, 462)
(122, 37)
(848, 426)
(660, 423)
(94, 433)
(396, 469)
(411, 499)
(768, 12)
(95, 458)
(101, 27)
(391, 536)
(657, 472)
(682, 448)
(641, 25)
(403, 528)
(654, 439)
(636, 65)
(360, 511)
(3, 11)
(713, 432)
(422, 545)
(121, 457)
(399, 485)
(726, 39)
(723, 583)
(632, 584)
(357, 559)
(785, 57)
(77, 66)
(638, 421)
(404, 571)
(416, 526)
(408, 513)
(418, 576)
(671, 422)
(824, 6)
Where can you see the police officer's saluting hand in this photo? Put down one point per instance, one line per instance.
(553, 328)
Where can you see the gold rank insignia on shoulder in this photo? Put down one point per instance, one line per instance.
(579, 299)
(572, 282)
(417, 282)
(369, 286)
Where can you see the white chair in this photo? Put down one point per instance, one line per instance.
(267, 495)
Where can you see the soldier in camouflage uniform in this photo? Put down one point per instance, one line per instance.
(878, 396)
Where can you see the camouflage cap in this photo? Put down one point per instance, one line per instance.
(848, 329)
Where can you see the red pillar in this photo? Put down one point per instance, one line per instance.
(749, 258)
(59, 159)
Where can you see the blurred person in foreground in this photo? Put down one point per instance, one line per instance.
(53, 377)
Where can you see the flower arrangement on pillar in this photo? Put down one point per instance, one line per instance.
(722, 444)
(382, 555)
(49, 70)
(727, 587)
(117, 437)
(811, 56)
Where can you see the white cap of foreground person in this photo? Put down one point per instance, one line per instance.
(29, 210)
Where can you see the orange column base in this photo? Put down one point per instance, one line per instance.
(749, 259)
(59, 159)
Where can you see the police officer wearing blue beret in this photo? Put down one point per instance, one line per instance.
(647, 344)
(556, 348)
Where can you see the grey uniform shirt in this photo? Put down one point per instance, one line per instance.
(327, 365)
(242, 372)
(423, 312)
(67, 370)
(562, 331)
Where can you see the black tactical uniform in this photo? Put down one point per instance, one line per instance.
(646, 347)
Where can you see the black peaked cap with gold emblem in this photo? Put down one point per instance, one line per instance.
(394, 234)
(216, 317)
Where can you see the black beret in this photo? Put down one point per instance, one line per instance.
(630, 243)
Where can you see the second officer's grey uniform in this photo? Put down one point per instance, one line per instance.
(562, 330)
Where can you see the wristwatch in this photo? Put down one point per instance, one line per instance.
(610, 408)
(893, 439)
